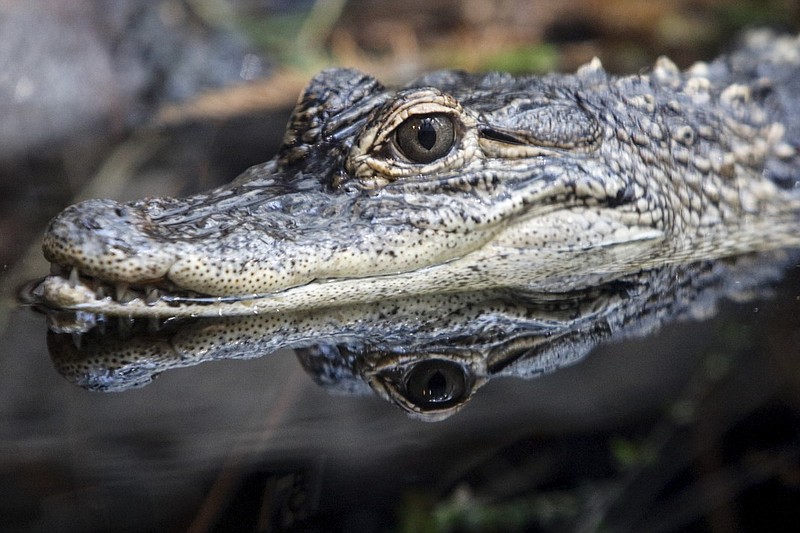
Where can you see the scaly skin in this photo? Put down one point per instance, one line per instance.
(550, 184)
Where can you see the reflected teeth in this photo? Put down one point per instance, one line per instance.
(101, 292)
(125, 325)
(77, 340)
(74, 278)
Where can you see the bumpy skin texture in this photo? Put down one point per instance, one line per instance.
(551, 184)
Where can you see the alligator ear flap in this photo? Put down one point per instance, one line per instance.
(321, 106)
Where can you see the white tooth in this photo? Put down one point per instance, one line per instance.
(76, 340)
(153, 295)
(100, 292)
(121, 289)
(129, 296)
(73, 278)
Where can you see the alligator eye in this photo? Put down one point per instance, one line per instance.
(436, 384)
(425, 138)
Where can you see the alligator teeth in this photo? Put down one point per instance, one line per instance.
(120, 290)
(129, 296)
(153, 295)
(77, 339)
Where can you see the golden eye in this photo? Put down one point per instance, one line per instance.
(425, 138)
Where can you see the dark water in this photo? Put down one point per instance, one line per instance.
(663, 433)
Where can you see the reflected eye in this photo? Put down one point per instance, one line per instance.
(425, 138)
(436, 384)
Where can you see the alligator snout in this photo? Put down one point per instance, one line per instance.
(107, 240)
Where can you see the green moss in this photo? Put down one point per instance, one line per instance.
(756, 12)
(463, 512)
(631, 454)
(538, 58)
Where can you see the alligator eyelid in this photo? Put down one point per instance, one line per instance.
(341, 134)
(501, 136)
(344, 123)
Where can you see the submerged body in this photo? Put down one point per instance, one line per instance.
(462, 183)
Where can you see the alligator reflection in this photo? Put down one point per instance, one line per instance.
(428, 355)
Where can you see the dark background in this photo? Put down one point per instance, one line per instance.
(694, 429)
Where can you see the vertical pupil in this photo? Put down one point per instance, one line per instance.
(426, 134)
(436, 390)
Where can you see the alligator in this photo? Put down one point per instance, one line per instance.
(462, 182)
(427, 354)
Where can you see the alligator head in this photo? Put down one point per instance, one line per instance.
(455, 182)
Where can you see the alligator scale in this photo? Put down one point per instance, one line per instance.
(462, 182)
